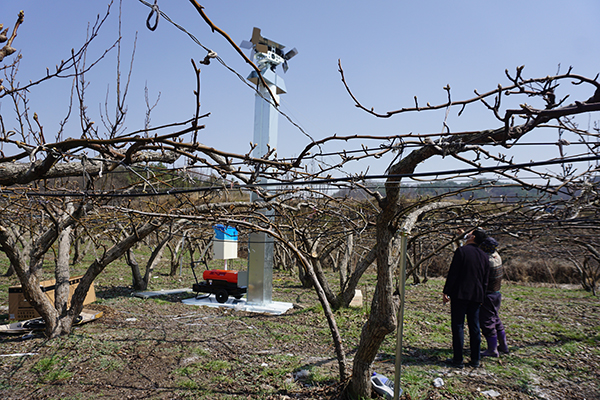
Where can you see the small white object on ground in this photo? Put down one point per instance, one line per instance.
(357, 300)
(18, 354)
(491, 393)
(302, 374)
(438, 382)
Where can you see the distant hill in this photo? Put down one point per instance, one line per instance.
(478, 189)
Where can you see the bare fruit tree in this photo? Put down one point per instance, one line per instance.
(43, 212)
(382, 320)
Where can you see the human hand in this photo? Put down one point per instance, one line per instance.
(445, 298)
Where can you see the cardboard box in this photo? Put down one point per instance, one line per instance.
(19, 308)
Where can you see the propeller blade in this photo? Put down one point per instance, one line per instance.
(246, 44)
(256, 37)
(290, 54)
(262, 48)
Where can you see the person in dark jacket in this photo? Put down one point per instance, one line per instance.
(465, 289)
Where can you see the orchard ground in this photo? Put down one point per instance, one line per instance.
(160, 348)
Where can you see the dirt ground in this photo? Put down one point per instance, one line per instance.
(163, 349)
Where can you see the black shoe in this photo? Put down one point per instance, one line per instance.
(474, 364)
(450, 362)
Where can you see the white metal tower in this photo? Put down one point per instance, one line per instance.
(267, 56)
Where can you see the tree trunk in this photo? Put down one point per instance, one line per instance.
(320, 275)
(172, 260)
(136, 276)
(288, 261)
(139, 282)
(28, 271)
(29, 281)
(10, 271)
(176, 255)
(347, 290)
(26, 244)
(352, 283)
(337, 339)
(382, 319)
(60, 324)
(62, 273)
(305, 280)
(79, 252)
(115, 252)
(154, 260)
(344, 264)
(76, 243)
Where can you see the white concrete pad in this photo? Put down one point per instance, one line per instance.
(274, 307)
(145, 295)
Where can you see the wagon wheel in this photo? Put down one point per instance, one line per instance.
(222, 296)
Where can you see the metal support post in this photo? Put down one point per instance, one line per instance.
(261, 245)
(400, 328)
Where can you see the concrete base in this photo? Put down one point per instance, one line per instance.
(273, 307)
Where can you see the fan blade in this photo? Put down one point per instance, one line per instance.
(261, 48)
(291, 53)
(246, 44)
(256, 37)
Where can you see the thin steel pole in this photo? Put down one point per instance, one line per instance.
(181, 258)
(400, 328)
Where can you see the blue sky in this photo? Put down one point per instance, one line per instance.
(391, 51)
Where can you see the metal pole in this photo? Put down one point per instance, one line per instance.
(181, 258)
(260, 245)
(400, 328)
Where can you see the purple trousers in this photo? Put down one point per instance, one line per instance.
(489, 319)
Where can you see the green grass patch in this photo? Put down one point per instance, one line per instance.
(188, 384)
(49, 370)
(215, 365)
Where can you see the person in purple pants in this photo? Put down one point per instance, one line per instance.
(489, 318)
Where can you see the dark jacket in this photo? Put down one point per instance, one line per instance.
(468, 275)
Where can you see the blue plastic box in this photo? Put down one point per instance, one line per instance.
(223, 232)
